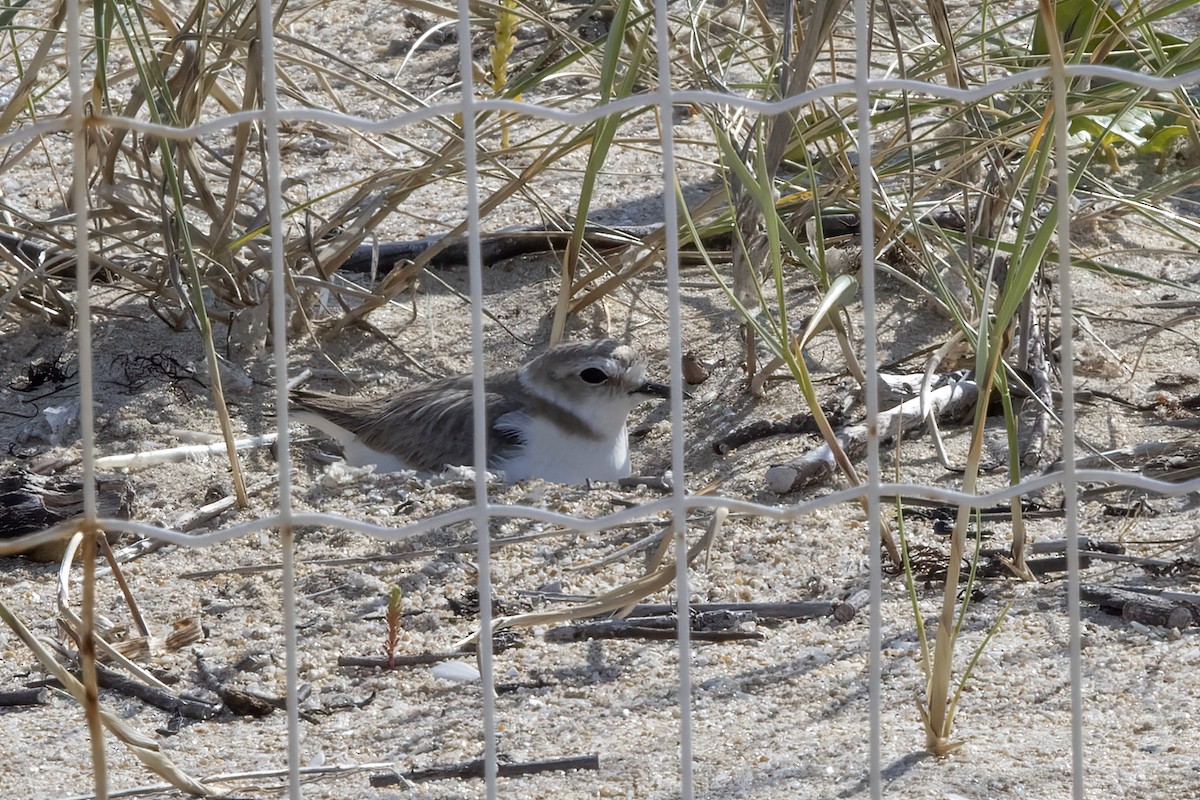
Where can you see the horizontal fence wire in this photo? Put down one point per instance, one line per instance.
(648, 99)
(664, 98)
(649, 510)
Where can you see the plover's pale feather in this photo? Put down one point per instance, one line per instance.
(427, 427)
(560, 417)
(355, 452)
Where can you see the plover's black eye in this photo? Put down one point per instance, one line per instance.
(593, 375)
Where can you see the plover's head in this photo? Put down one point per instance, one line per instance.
(596, 374)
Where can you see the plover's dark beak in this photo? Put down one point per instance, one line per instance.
(653, 389)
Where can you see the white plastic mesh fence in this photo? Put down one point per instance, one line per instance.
(867, 89)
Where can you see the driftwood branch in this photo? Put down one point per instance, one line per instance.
(1143, 608)
(951, 401)
(31, 503)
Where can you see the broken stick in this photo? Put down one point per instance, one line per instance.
(953, 400)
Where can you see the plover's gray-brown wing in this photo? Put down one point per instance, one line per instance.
(426, 427)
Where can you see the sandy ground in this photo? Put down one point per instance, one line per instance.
(784, 716)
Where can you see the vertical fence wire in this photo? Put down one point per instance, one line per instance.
(663, 100)
(866, 211)
(479, 408)
(1070, 480)
(279, 346)
(665, 110)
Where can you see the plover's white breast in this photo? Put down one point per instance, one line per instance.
(554, 454)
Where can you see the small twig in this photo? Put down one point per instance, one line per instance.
(935, 511)
(1130, 457)
(302, 378)
(384, 662)
(474, 769)
(714, 626)
(624, 552)
(1034, 362)
(1141, 561)
(191, 520)
(174, 455)
(190, 707)
(762, 429)
(119, 576)
(1178, 597)
(193, 437)
(24, 697)
(856, 601)
(630, 629)
(796, 609)
(1085, 543)
(254, 775)
(1001, 565)
(661, 483)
